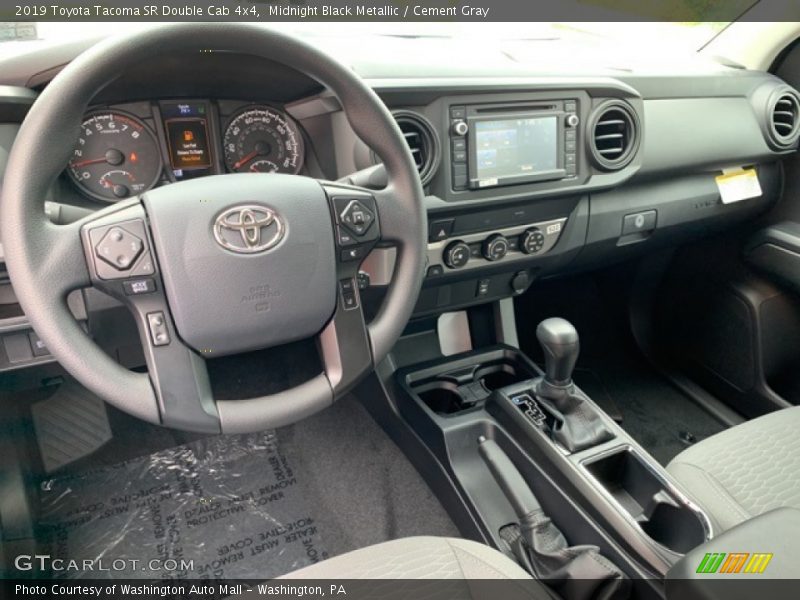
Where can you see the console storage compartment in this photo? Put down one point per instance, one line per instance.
(662, 513)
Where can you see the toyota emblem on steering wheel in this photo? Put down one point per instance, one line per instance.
(248, 229)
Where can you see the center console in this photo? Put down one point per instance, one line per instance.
(595, 483)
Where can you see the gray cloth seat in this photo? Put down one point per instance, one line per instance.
(463, 566)
(746, 470)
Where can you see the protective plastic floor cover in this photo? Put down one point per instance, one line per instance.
(230, 504)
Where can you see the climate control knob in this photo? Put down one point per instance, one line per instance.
(495, 247)
(456, 255)
(532, 241)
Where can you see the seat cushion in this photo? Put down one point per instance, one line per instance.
(417, 558)
(746, 470)
(461, 566)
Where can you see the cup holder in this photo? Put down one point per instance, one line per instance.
(650, 500)
(674, 527)
(462, 384)
(442, 398)
(500, 376)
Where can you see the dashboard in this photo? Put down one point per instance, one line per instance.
(123, 150)
(528, 173)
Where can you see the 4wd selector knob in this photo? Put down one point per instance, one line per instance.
(495, 247)
(532, 241)
(456, 254)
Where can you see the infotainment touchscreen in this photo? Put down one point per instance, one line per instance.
(515, 148)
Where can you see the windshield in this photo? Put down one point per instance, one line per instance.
(681, 36)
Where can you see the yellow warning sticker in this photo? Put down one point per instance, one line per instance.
(738, 184)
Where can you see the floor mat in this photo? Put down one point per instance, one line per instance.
(364, 488)
(70, 424)
(248, 506)
(230, 506)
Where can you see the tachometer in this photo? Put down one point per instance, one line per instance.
(115, 157)
(260, 139)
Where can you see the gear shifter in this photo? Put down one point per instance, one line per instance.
(579, 423)
(559, 341)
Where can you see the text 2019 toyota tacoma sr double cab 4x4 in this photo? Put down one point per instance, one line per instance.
(370, 302)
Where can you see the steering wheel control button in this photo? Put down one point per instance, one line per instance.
(355, 253)
(440, 230)
(119, 248)
(135, 287)
(357, 217)
(495, 247)
(532, 241)
(456, 255)
(158, 328)
(144, 266)
(344, 237)
(349, 298)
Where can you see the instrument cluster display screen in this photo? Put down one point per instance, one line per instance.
(515, 148)
(186, 127)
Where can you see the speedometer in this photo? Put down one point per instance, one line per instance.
(115, 157)
(260, 139)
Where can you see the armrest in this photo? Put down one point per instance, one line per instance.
(755, 559)
(776, 251)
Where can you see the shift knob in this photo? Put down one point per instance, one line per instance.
(559, 340)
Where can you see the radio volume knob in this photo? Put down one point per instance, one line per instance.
(573, 120)
(456, 255)
(495, 247)
(460, 128)
(532, 241)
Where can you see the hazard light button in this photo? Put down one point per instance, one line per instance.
(440, 230)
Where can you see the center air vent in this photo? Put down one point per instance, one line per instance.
(613, 135)
(422, 141)
(785, 119)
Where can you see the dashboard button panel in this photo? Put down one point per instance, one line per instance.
(482, 249)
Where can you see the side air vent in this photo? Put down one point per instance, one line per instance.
(422, 141)
(613, 135)
(784, 119)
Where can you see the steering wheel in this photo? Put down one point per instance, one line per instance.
(219, 265)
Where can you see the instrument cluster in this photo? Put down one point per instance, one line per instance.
(120, 154)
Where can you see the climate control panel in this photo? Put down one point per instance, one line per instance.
(473, 250)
